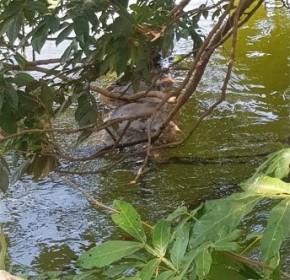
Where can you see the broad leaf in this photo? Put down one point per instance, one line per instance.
(269, 186)
(129, 220)
(222, 217)
(161, 236)
(3, 246)
(88, 275)
(203, 263)
(227, 243)
(39, 37)
(278, 228)
(279, 164)
(20, 60)
(115, 270)
(4, 162)
(107, 253)
(52, 22)
(179, 246)
(64, 34)
(14, 28)
(149, 269)
(12, 97)
(166, 275)
(4, 177)
(23, 79)
(180, 211)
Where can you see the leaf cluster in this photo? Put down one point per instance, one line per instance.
(200, 243)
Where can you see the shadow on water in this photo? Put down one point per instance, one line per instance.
(48, 224)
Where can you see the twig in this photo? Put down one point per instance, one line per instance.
(95, 201)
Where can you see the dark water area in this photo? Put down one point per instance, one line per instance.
(48, 223)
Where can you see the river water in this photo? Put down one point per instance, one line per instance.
(47, 223)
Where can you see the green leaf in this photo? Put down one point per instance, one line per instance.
(180, 211)
(107, 253)
(166, 275)
(23, 79)
(279, 164)
(269, 186)
(88, 275)
(277, 229)
(64, 34)
(161, 236)
(203, 263)
(4, 178)
(149, 269)
(39, 37)
(81, 28)
(4, 163)
(179, 246)
(116, 270)
(14, 28)
(12, 97)
(129, 220)
(227, 242)
(86, 113)
(3, 247)
(222, 217)
(20, 60)
(52, 22)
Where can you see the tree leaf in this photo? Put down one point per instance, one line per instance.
(52, 22)
(222, 217)
(64, 34)
(20, 60)
(277, 229)
(166, 275)
(179, 246)
(149, 269)
(81, 28)
(14, 28)
(227, 242)
(269, 186)
(180, 211)
(4, 178)
(4, 162)
(3, 247)
(107, 253)
(161, 236)
(23, 79)
(279, 164)
(203, 263)
(12, 97)
(116, 270)
(129, 220)
(86, 112)
(39, 37)
(88, 275)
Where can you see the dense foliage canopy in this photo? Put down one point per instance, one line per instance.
(97, 38)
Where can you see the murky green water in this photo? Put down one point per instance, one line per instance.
(48, 224)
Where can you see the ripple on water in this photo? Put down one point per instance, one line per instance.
(37, 216)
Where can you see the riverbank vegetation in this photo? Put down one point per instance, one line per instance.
(208, 242)
(99, 38)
